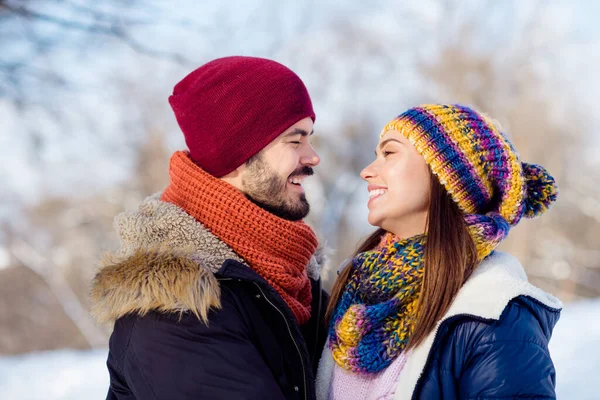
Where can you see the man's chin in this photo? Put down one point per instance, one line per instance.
(294, 212)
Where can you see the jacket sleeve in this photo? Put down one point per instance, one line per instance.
(172, 359)
(509, 369)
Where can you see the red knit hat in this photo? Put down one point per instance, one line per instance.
(231, 108)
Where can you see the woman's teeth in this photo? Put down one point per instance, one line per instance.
(377, 192)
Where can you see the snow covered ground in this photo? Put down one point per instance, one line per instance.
(54, 375)
(575, 348)
(77, 375)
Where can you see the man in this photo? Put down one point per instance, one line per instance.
(215, 290)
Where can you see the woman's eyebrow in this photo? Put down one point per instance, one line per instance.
(386, 141)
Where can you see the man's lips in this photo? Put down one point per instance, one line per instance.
(297, 180)
(298, 176)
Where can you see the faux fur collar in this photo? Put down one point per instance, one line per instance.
(498, 279)
(166, 262)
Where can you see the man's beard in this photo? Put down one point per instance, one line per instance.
(266, 189)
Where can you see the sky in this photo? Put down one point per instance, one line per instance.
(91, 145)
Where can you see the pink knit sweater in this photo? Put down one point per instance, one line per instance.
(347, 385)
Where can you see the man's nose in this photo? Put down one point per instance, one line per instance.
(310, 158)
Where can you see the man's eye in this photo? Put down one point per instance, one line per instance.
(295, 142)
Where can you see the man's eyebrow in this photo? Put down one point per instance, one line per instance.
(298, 131)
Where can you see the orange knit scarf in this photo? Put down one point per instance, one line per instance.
(277, 249)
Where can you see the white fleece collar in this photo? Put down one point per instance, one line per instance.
(496, 281)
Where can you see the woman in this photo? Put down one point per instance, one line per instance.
(427, 309)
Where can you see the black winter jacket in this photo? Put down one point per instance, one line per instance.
(252, 348)
(193, 321)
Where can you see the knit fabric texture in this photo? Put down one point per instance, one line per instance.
(277, 249)
(376, 314)
(346, 385)
(231, 108)
(478, 166)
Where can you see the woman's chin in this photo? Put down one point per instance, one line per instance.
(374, 220)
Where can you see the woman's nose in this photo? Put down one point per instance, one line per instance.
(368, 172)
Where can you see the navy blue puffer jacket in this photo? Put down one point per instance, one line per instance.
(478, 358)
(491, 344)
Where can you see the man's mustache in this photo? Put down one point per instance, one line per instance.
(304, 171)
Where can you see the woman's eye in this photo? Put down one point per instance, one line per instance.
(387, 153)
(295, 142)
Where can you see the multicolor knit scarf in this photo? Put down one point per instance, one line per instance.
(376, 314)
(277, 249)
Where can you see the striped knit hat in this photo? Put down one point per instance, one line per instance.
(478, 166)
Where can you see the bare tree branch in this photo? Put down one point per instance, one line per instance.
(24, 12)
(102, 23)
(30, 258)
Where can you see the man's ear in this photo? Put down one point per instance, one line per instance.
(234, 178)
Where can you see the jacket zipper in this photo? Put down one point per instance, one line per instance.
(316, 349)
(435, 339)
(291, 336)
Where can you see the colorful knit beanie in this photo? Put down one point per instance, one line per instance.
(231, 108)
(479, 168)
(376, 315)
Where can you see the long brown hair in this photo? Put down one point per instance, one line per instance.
(450, 258)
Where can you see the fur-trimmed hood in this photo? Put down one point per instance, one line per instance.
(166, 262)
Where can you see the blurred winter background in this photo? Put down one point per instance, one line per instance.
(86, 132)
